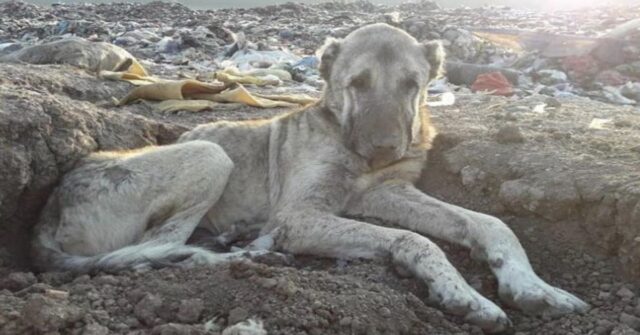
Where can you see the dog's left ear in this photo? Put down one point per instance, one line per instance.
(435, 54)
(328, 54)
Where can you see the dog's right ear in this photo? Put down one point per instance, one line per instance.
(327, 54)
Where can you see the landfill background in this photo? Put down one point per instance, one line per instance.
(539, 121)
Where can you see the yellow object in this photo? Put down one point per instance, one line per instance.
(228, 78)
(193, 95)
(172, 90)
(171, 106)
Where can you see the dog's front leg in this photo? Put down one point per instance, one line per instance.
(487, 237)
(323, 234)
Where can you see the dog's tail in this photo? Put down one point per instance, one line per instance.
(138, 256)
(48, 256)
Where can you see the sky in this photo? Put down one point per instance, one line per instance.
(533, 4)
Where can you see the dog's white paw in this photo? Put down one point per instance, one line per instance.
(534, 296)
(475, 309)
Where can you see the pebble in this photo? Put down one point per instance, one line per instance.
(145, 309)
(625, 293)
(17, 281)
(190, 310)
(48, 315)
(553, 102)
(624, 330)
(509, 134)
(630, 320)
(384, 312)
(95, 329)
(236, 315)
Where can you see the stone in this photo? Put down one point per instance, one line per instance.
(49, 315)
(472, 175)
(146, 309)
(236, 315)
(95, 329)
(630, 320)
(552, 77)
(623, 330)
(177, 329)
(384, 312)
(625, 293)
(16, 281)
(631, 91)
(553, 102)
(611, 78)
(190, 310)
(509, 134)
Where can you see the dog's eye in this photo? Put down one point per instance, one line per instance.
(360, 81)
(409, 84)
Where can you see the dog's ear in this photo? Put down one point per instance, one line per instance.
(435, 55)
(328, 54)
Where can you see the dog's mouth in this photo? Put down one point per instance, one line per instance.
(381, 158)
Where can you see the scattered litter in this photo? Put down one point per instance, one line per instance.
(597, 123)
(493, 83)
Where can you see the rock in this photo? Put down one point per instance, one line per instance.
(78, 52)
(95, 329)
(236, 315)
(580, 68)
(630, 320)
(49, 315)
(146, 309)
(602, 295)
(631, 91)
(177, 329)
(509, 134)
(624, 330)
(471, 175)
(384, 312)
(625, 293)
(16, 281)
(611, 78)
(630, 69)
(44, 131)
(614, 95)
(345, 321)
(552, 77)
(190, 310)
(553, 102)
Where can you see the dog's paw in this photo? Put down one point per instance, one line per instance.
(489, 319)
(476, 309)
(534, 296)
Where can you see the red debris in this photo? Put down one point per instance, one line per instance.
(494, 82)
(580, 68)
(611, 78)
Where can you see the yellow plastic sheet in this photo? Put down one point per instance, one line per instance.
(193, 95)
(172, 106)
(172, 90)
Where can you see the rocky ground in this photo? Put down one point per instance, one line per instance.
(562, 170)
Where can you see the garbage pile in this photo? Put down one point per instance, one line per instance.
(590, 52)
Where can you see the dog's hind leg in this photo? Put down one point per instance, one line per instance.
(487, 237)
(133, 209)
(316, 233)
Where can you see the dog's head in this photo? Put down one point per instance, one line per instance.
(376, 80)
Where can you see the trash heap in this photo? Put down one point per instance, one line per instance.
(590, 52)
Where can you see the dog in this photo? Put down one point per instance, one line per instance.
(299, 176)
